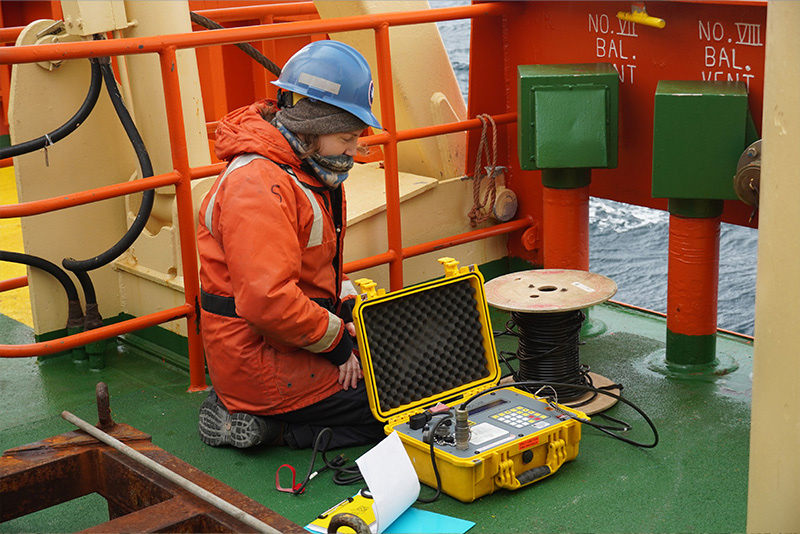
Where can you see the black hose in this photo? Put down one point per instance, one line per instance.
(41, 263)
(147, 197)
(260, 58)
(67, 128)
(75, 313)
(92, 319)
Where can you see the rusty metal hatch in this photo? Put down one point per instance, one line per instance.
(61, 468)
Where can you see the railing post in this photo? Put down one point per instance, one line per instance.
(183, 199)
(393, 223)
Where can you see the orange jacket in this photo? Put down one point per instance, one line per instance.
(268, 240)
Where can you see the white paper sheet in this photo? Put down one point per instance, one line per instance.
(391, 479)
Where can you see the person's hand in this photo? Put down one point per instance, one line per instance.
(350, 373)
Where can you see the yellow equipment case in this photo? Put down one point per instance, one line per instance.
(431, 345)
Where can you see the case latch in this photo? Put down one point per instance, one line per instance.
(451, 267)
(368, 289)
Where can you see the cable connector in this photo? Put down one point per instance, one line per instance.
(462, 429)
(339, 460)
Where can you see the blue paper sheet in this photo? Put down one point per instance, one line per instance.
(414, 521)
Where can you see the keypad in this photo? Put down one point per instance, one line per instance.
(519, 417)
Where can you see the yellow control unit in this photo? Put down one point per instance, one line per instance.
(427, 350)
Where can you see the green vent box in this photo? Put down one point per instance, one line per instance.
(699, 133)
(568, 116)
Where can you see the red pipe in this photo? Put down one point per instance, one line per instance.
(13, 283)
(438, 129)
(98, 334)
(439, 244)
(157, 43)
(227, 14)
(390, 163)
(37, 207)
(183, 199)
(9, 35)
(207, 170)
(565, 228)
(693, 275)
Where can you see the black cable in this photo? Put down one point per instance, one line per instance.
(624, 428)
(92, 319)
(341, 475)
(436, 426)
(148, 196)
(89, 293)
(75, 313)
(260, 58)
(548, 350)
(350, 475)
(585, 421)
(68, 127)
(507, 356)
(41, 263)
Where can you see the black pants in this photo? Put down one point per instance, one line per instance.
(346, 413)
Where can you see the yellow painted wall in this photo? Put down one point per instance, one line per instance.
(15, 303)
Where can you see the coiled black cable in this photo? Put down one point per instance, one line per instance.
(148, 196)
(549, 350)
(68, 127)
(341, 475)
(348, 475)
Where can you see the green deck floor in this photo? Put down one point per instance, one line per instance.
(695, 480)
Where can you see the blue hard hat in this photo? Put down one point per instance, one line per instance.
(334, 73)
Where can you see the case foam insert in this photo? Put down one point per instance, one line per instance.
(425, 343)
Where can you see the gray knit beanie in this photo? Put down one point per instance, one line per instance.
(316, 117)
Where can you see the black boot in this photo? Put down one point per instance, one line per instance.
(218, 427)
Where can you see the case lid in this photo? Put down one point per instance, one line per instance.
(426, 343)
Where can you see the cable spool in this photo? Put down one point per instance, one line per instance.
(548, 350)
(546, 309)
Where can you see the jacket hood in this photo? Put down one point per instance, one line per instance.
(244, 130)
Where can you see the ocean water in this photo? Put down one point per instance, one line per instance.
(617, 230)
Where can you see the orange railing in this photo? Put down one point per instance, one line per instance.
(166, 47)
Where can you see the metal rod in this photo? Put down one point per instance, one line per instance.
(172, 476)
